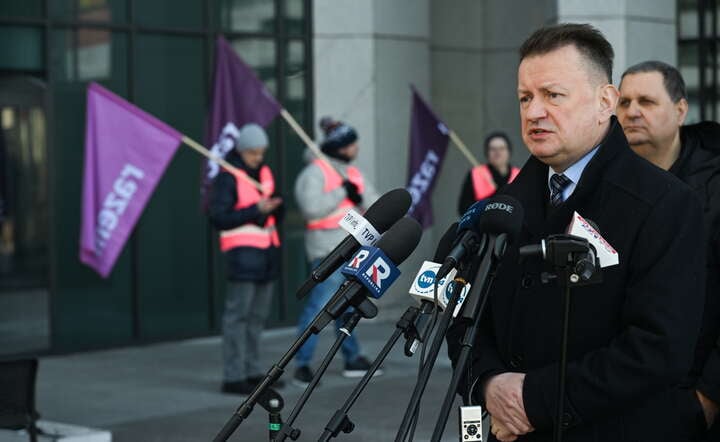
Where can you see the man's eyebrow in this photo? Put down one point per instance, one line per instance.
(545, 87)
(639, 97)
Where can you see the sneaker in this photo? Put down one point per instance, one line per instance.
(358, 368)
(303, 376)
(238, 387)
(255, 381)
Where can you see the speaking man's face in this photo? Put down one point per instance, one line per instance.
(647, 113)
(564, 102)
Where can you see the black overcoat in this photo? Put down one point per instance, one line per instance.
(631, 337)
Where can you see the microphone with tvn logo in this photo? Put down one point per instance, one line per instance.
(423, 291)
(363, 231)
(498, 222)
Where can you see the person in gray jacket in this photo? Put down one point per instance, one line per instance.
(325, 193)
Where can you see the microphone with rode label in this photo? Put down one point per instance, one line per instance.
(388, 209)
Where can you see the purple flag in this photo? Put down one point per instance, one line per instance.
(238, 98)
(126, 153)
(428, 144)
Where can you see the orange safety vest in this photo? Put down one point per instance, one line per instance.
(333, 180)
(252, 235)
(483, 183)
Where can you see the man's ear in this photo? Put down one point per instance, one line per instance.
(607, 102)
(681, 109)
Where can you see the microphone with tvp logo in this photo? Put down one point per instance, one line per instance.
(371, 271)
(363, 231)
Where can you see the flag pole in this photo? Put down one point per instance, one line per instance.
(306, 139)
(221, 161)
(463, 148)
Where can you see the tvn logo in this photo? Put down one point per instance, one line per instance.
(373, 269)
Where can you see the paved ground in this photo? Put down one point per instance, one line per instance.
(170, 392)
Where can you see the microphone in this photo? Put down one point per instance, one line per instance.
(500, 225)
(467, 241)
(371, 271)
(422, 290)
(388, 209)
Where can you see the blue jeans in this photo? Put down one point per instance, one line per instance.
(317, 298)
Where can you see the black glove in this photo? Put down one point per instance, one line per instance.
(352, 192)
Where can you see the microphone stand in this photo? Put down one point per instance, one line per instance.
(472, 311)
(339, 421)
(287, 429)
(330, 311)
(575, 264)
(429, 363)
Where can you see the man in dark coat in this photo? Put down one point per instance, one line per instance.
(630, 337)
(652, 109)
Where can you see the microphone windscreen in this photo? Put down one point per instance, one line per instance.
(446, 243)
(389, 208)
(400, 240)
(502, 214)
(471, 216)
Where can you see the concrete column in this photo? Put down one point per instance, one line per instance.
(639, 30)
(367, 53)
(474, 80)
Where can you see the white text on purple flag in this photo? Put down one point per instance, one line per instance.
(423, 178)
(124, 187)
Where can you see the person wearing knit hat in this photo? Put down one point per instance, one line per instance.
(325, 193)
(247, 219)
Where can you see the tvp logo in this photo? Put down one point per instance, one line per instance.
(373, 269)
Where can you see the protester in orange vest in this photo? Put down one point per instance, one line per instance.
(484, 180)
(324, 197)
(247, 220)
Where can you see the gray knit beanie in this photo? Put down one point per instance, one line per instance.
(251, 136)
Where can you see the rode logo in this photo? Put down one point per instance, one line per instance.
(500, 206)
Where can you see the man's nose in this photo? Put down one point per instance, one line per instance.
(633, 110)
(535, 110)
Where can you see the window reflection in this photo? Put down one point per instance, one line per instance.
(23, 216)
(88, 55)
(248, 15)
(93, 10)
(259, 55)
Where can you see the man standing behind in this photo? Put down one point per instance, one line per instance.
(324, 197)
(652, 109)
(247, 220)
(631, 336)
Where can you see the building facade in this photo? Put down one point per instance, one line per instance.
(353, 60)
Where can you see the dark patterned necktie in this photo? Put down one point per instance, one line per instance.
(558, 183)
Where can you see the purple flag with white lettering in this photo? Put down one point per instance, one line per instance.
(126, 153)
(428, 144)
(238, 98)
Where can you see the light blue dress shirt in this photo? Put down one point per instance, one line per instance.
(573, 172)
